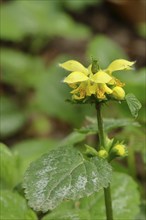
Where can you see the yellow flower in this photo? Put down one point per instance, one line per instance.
(117, 65)
(81, 74)
(86, 83)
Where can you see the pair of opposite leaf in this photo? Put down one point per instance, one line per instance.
(86, 82)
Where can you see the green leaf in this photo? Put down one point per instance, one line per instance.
(64, 174)
(125, 196)
(125, 199)
(9, 171)
(14, 207)
(109, 125)
(12, 119)
(21, 70)
(142, 214)
(73, 138)
(68, 215)
(34, 18)
(133, 104)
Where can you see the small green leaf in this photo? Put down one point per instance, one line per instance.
(61, 174)
(9, 168)
(14, 207)
(133, 104)
(90, 151)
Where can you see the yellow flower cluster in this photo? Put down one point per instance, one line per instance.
(100, 84)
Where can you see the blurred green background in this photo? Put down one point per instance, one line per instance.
(37, 35)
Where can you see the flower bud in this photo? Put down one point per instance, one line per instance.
(118, 93)
(95, 66)
(119, 150)
(103, 154)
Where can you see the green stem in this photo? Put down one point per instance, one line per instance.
(107, 191)
(108, 203)
(100, 126)
(131, 159)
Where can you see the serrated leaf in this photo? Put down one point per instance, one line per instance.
(125, 199)
(133, 104)
(9, 168)
(64, 174)
(14, 207)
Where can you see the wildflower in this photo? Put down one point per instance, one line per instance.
(86, 82)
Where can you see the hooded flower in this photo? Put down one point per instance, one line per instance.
(100, 83)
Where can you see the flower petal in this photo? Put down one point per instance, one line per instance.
(80, 92)
(107, 89)
(91, 89)
(119, 64)
(73, 65)
(75, 77)
(100, 77)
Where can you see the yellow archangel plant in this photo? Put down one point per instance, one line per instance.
(93, 81)
(96, 85)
